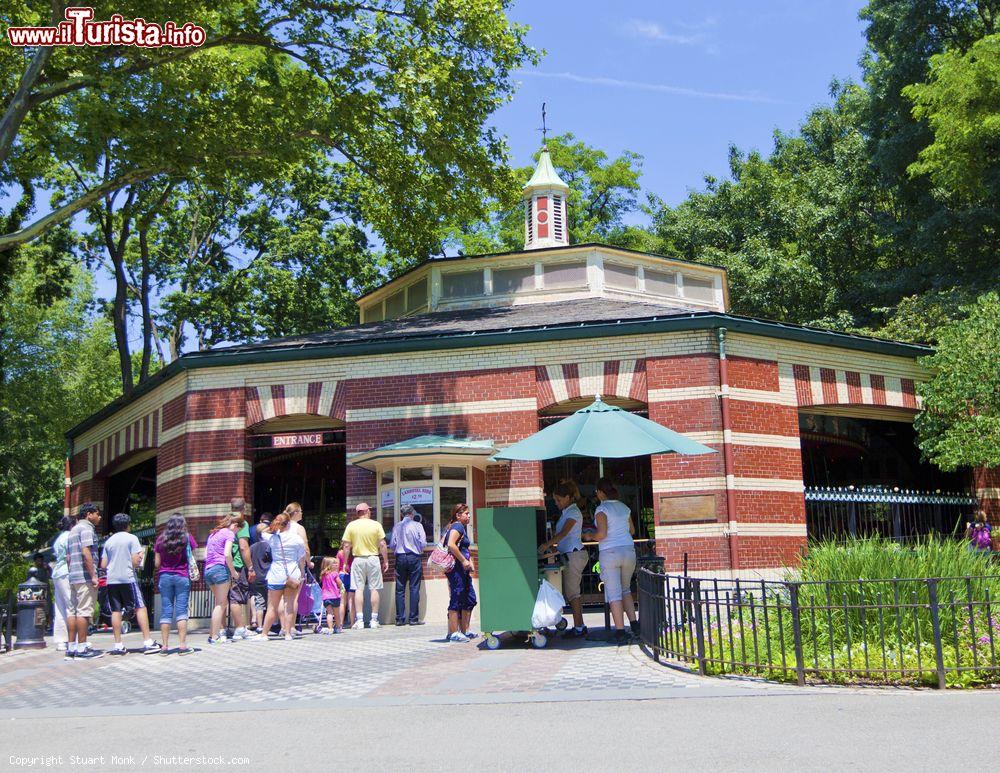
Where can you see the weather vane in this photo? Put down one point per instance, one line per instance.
(544, 128)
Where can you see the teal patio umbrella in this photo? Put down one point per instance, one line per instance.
(602, 431)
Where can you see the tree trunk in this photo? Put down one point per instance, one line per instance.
(147, 317)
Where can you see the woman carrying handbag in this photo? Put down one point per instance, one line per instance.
(284, 578)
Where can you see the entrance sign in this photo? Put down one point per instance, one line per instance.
(418, 495)
(297, 440)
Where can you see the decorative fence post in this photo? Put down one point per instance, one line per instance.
(936, 628)
(699, 626)
(800, 666)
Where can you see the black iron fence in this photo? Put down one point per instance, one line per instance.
(940, 631)
(867, 511)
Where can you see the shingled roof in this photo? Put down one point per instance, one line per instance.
(470, 321)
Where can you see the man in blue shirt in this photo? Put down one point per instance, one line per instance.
(407, 542)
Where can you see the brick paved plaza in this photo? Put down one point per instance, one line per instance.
(388, 667)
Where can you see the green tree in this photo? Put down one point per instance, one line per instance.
(398, 93)
(959, 424)
(60, 367)
(603, 193)
(961, 104)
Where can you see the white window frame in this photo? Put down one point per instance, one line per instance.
(435, 482)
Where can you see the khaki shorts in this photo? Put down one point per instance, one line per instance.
(617, 568)
(81, 600)
(366, 570)
(572, 573)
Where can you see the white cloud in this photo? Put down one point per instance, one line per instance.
(663, 88)
(651, 30)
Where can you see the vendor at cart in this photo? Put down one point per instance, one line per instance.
(613, 535)
(568, 542)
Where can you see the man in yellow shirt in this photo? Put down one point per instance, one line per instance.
(365, 540)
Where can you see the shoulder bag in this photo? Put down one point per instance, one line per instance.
(193, 574)
(441, 556)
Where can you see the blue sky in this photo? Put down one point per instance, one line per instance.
(678, 82)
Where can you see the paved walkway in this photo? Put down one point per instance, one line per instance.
(388, 667)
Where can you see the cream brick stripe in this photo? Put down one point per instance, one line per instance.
(708, 483)
(761, 396)
(988, 493)
(530, 494)
(441, 409)
(689, 484)
(758, 439)
(682, 393)
(733, 528)
(201, 425)
(81, 477)
(769, 484)
(592, 379)
(203, 468)
(326, 395)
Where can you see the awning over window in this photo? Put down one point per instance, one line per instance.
(429, 448)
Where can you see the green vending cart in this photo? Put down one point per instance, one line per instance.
(510, 571)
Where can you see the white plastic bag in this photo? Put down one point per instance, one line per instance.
(548, 606)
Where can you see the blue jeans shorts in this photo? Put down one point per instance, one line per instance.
(217, 574)
(174, 593)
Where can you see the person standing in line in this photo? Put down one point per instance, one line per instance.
(568, 541)
(82, 574)
(122, 556)
(462, 593)
(407, 543)
(239, 591)
(171, 551)
(284, 577)
(260, 559)
(613, 533)
(364, 539)
(344, 561)
(60, 584)
(220, 572)
(333, 591)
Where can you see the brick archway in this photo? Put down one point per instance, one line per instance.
(625, 379)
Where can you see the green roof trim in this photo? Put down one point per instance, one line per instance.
(555, 332)
(545, 175)
(426, 445)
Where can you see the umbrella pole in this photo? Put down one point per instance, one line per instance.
(600, 466)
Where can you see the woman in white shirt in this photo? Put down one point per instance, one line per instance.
(568, 541)
(60, 583)
(284, 578)
(617, 555)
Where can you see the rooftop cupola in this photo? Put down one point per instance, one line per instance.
(545, 207)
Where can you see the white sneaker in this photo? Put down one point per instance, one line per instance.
(289, 637)
(240, 633)
(326, 631)
(257, 637)
(61, 647)
(470, 634)
(358, 625)
(458, 636)
(374, 624)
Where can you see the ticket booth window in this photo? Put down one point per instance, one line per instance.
(431, 489)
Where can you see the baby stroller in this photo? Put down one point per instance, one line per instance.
(103, 624)
(310, 604)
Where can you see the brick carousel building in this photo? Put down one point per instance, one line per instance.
(459, 357)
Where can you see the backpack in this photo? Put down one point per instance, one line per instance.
(260, 554)
(981, 538)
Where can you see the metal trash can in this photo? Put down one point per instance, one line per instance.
(32, 612)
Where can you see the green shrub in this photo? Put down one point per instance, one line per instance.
(854, 631)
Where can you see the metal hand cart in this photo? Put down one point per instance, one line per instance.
(510, 572)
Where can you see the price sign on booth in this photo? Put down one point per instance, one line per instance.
(418, 495)
(388, 499)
